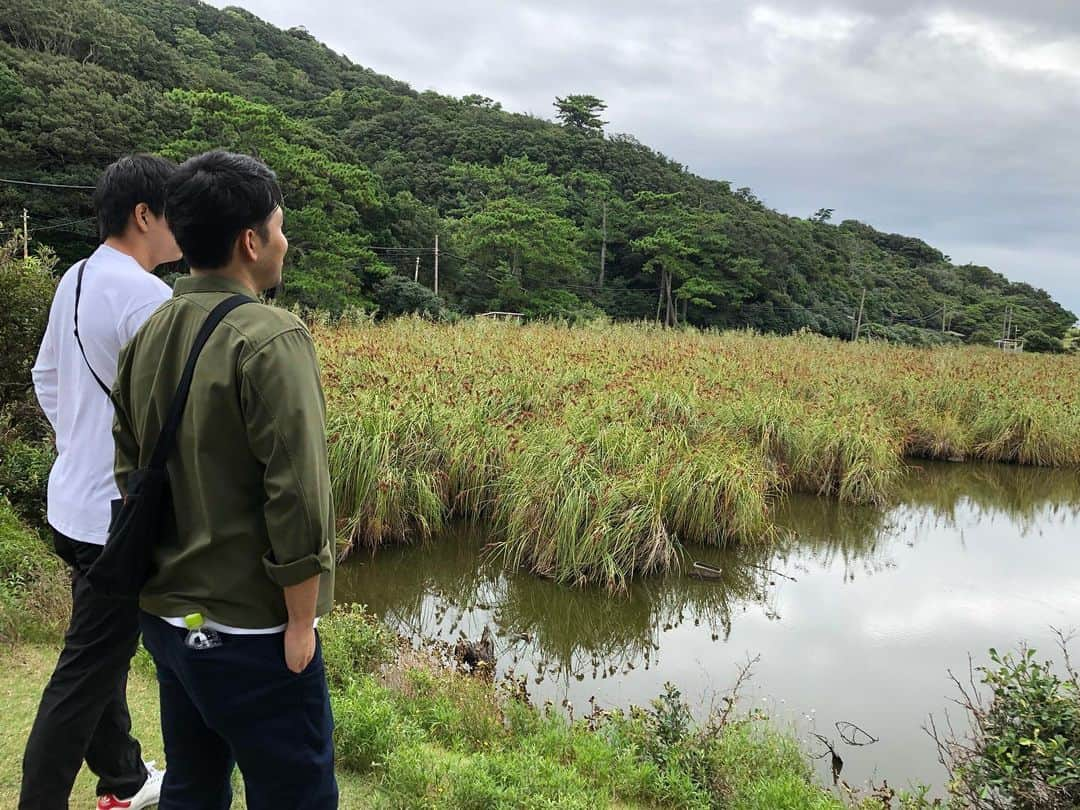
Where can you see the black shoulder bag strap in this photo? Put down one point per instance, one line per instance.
(78, 295)
(125, 563)
(167, 438)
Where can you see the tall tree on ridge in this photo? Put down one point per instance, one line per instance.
(581, 112)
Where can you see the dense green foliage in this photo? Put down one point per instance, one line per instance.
(22, 554)
(25, 461)
(1024, 747)
(26, 288)
(1071, 341)
(33, 601)
(550, 219)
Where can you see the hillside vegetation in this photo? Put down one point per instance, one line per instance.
(549, 219)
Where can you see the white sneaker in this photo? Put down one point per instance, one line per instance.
(148, 794)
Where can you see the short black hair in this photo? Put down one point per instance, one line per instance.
(214, 196)
(126, 183)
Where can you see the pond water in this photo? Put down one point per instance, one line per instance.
(857, 617)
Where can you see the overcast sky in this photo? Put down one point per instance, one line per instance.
(955, 121)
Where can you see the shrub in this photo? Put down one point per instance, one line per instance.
(33, 599)
(354, 643)
(1038, 341)
(26, 288)
(914, 336)
(1071, 341)
(984, 337)
(560, 305)
(1024, 746)
(24, 474)
(23, 555)
(397, 295)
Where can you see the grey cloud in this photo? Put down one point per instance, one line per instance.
(954, 121)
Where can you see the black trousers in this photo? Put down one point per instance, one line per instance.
(239, 704)
(83, 713)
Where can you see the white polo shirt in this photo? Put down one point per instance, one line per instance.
(118, 295)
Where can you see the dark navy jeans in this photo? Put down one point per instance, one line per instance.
(240, 704)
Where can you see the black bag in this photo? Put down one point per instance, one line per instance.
(125, 563)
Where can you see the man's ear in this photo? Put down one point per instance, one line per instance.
(248, 247)
(141, 217)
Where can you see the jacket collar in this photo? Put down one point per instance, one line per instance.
(209, 283)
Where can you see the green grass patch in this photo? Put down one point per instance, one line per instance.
(440, 739)
(33, 595)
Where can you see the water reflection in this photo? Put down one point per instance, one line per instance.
(857, 614)
(445, 587)
(1021, 493)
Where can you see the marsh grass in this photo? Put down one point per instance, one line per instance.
(596, 454)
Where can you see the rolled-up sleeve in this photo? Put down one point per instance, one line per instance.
(285, 417)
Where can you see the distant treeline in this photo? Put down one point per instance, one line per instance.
(548, 219)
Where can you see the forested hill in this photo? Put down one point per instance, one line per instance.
(547, 218)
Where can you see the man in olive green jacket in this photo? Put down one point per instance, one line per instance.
(250, 553)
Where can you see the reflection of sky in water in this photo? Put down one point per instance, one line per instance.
(883, 605)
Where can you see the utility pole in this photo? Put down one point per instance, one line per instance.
(436, 265)
(603, 242)
(672, 317)
(25, 235)
(858, 321)
(416, 272)
(944, 311)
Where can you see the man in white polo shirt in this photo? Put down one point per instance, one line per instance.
(100, 304)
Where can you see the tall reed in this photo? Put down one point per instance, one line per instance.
(596, 452)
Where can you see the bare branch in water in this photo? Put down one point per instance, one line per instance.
(853, 735)
(746, 671)
(836, 762)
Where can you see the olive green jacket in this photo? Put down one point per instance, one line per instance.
(249, 477)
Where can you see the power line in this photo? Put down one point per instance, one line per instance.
(42, 185)
(62, 225)
(910, 321)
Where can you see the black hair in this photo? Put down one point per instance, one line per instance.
(126, 183)
(212, 198)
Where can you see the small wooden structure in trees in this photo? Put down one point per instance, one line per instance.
(1009, 341)
(1010, 344)
(516, 317)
